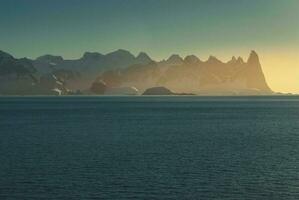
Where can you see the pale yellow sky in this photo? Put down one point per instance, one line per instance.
(280, 65)
(281, 69)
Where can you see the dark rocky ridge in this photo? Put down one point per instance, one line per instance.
(19, 77)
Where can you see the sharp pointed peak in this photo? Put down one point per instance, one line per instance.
(240, 60)
(253, 52)
(233, 60)
(253, 57)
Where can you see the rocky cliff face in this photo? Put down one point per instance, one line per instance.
(15, 75)
(19, 77)
(254, 74)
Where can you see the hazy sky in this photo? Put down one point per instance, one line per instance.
(30, 28)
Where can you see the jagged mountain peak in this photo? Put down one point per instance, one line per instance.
(236, 61)
(202, 76)
(253, 52)
(253, 57)
(233, 60)
(240, 60)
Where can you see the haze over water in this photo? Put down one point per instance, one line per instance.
(149, 148)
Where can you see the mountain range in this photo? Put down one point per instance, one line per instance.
(48, 74)
(191, 75)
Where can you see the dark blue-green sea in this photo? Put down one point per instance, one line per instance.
(149, 148)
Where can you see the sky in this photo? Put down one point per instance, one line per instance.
(30, 28)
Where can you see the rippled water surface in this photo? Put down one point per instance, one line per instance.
(149, 148)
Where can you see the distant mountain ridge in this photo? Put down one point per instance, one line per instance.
(122, 69)
(93, 61)
(90, 65)
(191, 75)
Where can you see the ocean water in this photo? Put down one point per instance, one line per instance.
(149, 148)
